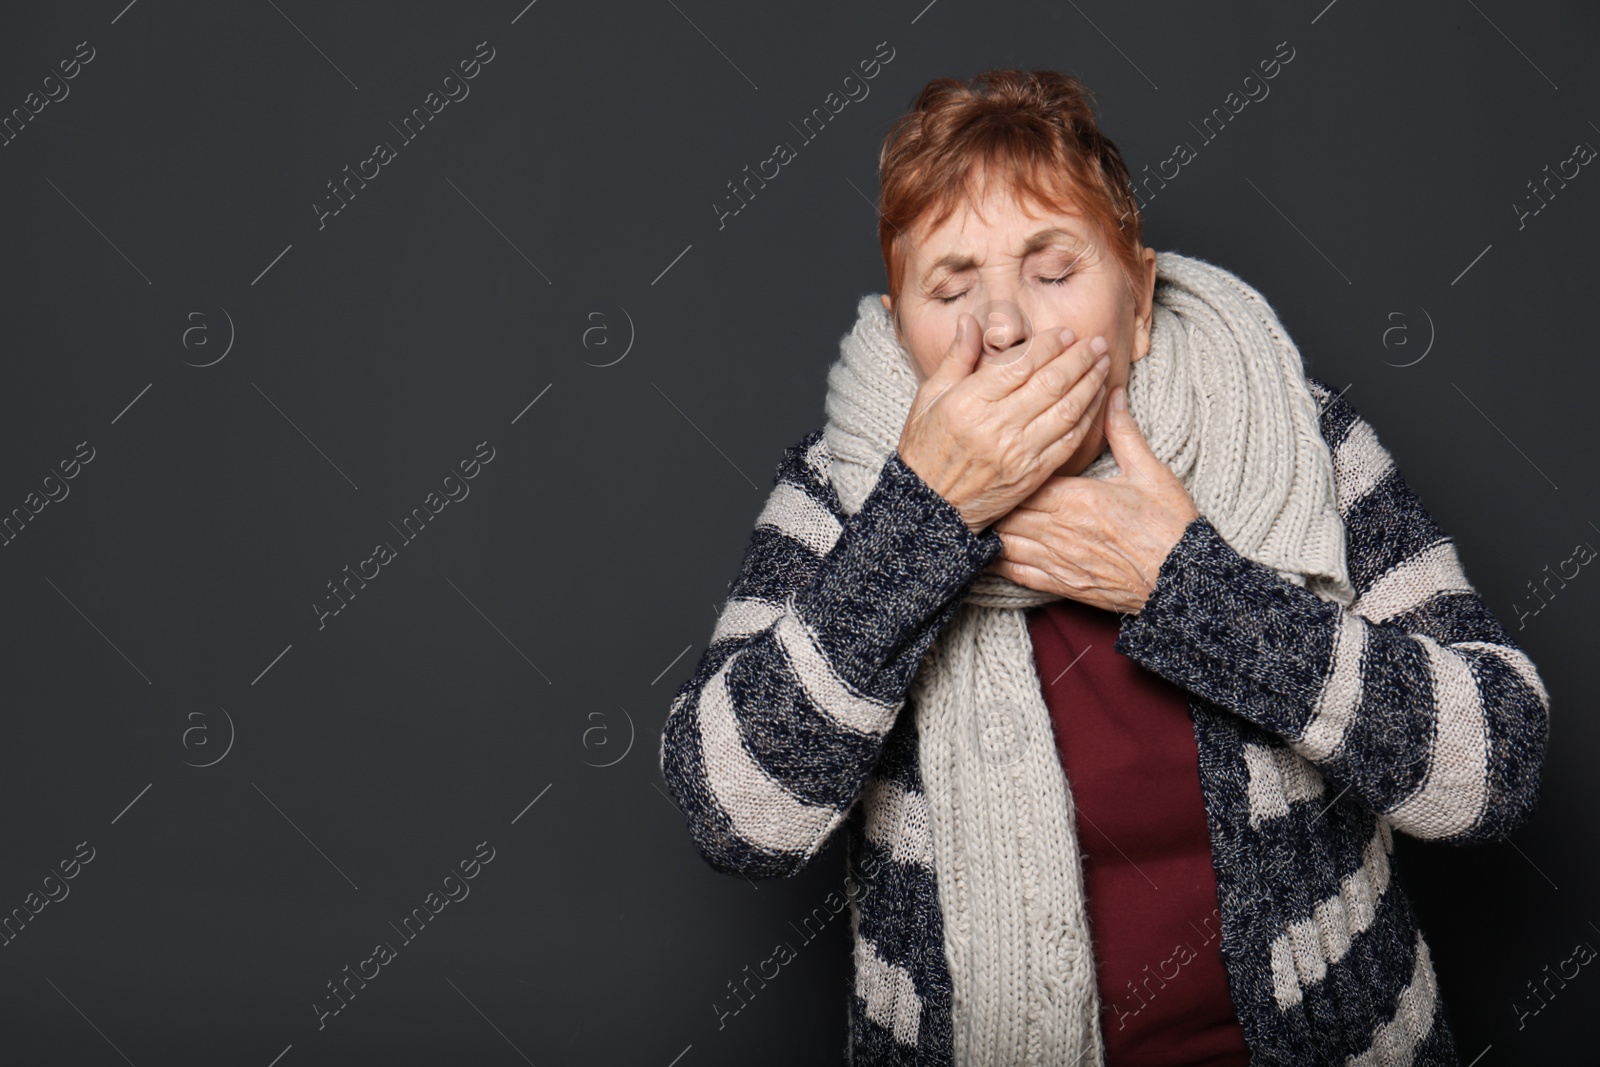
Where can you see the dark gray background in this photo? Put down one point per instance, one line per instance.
(523, 650)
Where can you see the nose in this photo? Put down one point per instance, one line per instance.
(1007, 328)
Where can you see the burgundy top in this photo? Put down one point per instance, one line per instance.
(1128, 746)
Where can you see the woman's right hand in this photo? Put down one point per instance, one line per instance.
(984, 439)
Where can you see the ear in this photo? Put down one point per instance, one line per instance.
(888, 305)
(1143, 313)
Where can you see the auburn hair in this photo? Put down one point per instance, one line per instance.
(1034, 130)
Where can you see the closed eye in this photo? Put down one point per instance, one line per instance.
(1061, 280)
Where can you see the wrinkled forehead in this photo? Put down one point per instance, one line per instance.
(945, 222)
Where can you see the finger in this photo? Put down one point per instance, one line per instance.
(1081, 366)
(1133, 454)
(1055, 434)
(962, 354)
(954, 366)
(1123, 434)
(1058, 400)
(1040, 505)
(1001, 375)
(1033, 513)
(1020, 548)
(1023, 574)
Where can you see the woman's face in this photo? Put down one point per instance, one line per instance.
(1021, 273)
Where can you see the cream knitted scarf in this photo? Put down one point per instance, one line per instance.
(1222, 400)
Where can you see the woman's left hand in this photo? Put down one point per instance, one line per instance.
(1099, 540)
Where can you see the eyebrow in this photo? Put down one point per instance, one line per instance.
(955, 262)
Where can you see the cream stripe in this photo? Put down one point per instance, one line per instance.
(1301, 955)
(743, 616)
(888, 992)
(1395, 1042)
(1453, 792)
(793, 511)
(1309, 962)
(1436, 569)
(1278, 778)
(897, 820)
(1336, 705)
(1285, 986)
(761, 810)
(1359, 463)
(824, 686)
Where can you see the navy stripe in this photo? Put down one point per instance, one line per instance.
(1337, 415)
(1453, 616)
(794, 742)
(907, 939)
(907, 554)
(1231, 630)
(899, 761)
(797, 469)
(1360, 991)
(1250, 919)
(1438, 1049)
(1307, 853)
(899, 912)
(774, 565)
(1385, 749)
(872, 1045)
(1384, 528)
(1516, 751)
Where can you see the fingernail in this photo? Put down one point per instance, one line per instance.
(1067, 336)
(1102, 363)
(1099, 345)
(1119, 399)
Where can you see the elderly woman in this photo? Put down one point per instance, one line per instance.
(1117, 644)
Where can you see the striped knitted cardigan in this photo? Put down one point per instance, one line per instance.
(1321, 729)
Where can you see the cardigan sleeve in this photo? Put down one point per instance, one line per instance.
(1414, 699)
(767, 744)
